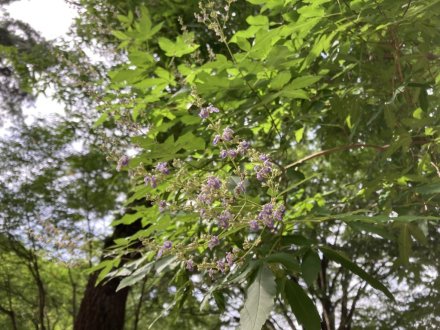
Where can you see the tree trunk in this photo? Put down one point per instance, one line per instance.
(102, 308)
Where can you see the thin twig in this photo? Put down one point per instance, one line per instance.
(336, 149)
(406, 9)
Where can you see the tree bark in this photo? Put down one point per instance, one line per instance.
(102, 308)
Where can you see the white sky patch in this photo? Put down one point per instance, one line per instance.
(44, 107)
(52, 18)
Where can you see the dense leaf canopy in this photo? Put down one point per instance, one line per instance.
(283, 159)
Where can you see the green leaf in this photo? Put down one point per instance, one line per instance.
(178, 48)
(310, 267)
(299, 134)
(348, 264)
(258, 20)
(417, 233)
(165, 263)
(280, 80)
(137, 276)
(302, 82)
(302, 306)
(404, 244)
(101, 120)
(259, 300)
(120, 35)
(286, 259)
(295, 93)
(418, 113)
(189, 141)
(429, 189)
(423, 99)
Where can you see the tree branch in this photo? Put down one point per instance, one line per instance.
(336, 149)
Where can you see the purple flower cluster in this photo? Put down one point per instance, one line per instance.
(230, 258)
(240, 188)
(206, 111)
(228, 153)
(122, 162)
(253, 225)
(213, 242)
(163, 168)
(227, 136)
(264, 170)
(270, 213)
(221, 266)
(243, 147)
(224, 218)
(213, 183)
(151, 180)
(162, 206)
(190, 265)
(167, 245)
(209, 189)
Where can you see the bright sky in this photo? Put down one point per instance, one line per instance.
(52, 18)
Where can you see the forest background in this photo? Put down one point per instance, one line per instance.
(257, 164)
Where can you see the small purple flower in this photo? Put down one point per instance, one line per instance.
(214, 182)
(213, 242)
(162, 206)
(163, 168)
(243, 146)
(264, 157)
(269, 222)
(167, 245)
(216, 140)
(223, 154)
(153, 181)
(263, 171)
(232, 153)
(267, 209)
(253, 225)
(221, 266)
(230, 259)
(204, 113)
(228, 134)
(150, 180)
(159, 253)
(122, 162)
(212, 109)
(204, 198)
(279, 213)
(224, 218)
(267, 214)
(240, 188)
(190, 265)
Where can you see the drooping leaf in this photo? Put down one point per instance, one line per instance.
(348, 264)
(310, 267)
(286, 259)
(259, 300)
(302, 306)
(404, 244)
(302, 82)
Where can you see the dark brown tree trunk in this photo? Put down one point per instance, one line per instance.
(102, 308)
